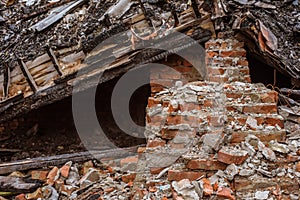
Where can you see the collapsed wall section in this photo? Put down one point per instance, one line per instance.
(211, 131)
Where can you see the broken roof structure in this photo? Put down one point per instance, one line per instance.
(45, 43)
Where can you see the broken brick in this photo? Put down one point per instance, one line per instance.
(232, 156)
(206, 164)
(39, 175)
(51, 176)
(225, 192)
(64, 171)
(207, 187)
(20, 197)
(128, 177)
(156, 143)
(176, 175)
(132, 159)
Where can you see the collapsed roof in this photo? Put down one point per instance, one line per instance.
(43, 43)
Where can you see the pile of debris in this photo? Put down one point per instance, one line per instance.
(89, 180)
(231, 156)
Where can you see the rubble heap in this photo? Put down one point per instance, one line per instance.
(220, 137)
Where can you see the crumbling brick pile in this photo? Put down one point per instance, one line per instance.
(222, 137)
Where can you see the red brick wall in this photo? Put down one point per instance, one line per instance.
(176, 69)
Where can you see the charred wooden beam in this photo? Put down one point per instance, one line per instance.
(27, 75)
(40, 162)
(173, 11)
(145, 13)
(290, 91)
(195, 8)
(17, 185)
(288, 100)
(6, 80)
(54, 60)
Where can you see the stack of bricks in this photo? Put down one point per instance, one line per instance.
(205, 119)
(226, 61)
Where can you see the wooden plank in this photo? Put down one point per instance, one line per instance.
(38, 61)
(54, 60)
(41, 162)
(27, 75)
(17, 185)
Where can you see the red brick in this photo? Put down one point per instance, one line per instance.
(51, 175)
(240, 53)
(219, 79)
(156, 143)
(64, 171)
(39, 175)
(270, 97)
(204, 164)
(128, 177)
(132, 159)
(207, 187)
(227, 62)
(240, 136)
(242, 62)
(151, 102)
(225, 193)
(273, 121)
(244, 184)
(208, 103)
(233, 95)
(177, 175)
(262, 109)
(232, 157)
(20, 197)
